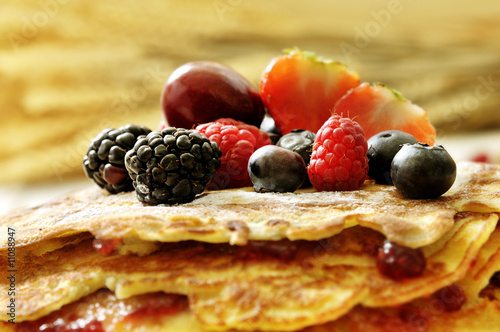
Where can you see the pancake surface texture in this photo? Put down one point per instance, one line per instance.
(237, 216)
(236, 260)
(279, 286)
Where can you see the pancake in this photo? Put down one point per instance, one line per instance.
(155, 316)
(236, 260)
(275, 286)
(158, 311)
(486, 263)
(237, 216)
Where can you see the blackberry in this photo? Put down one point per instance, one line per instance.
(104, 162)
(172, 166)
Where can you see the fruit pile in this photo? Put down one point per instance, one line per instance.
(312, 122)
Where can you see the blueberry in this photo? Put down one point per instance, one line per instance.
(276, 169)
(269, 127)
(421, 171)
(382, 148)
(300, 141)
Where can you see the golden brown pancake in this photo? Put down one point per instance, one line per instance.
(168, 313)
(275, 286)
(247, 261)
(156, 311)
(237, 216)
(486, 263)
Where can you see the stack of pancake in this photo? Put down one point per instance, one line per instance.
(237, 260)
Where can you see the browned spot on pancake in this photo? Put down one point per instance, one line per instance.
(201, 230)
(437, 267)
(463, 215)
(240, 232)
(181, 220)
(278, 222)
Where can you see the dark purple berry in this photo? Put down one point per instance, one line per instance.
(276, 169)
(421, 171)
(172, 166)
(300, 141)
(382, 148)
(269, 127)
(105, 159)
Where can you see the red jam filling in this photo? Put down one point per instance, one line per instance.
(399, 262)
(60, 326)
(450, 298)
(158, 306)
(102, 309)
(104, 246)
(260, 250)
(412, 316)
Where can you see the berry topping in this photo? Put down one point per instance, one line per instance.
(172, 166)
(204, 91)
(276, 169)
(378, 108)
(338, 160)
(421, 171)
(300, 89)
(237, 142)
(300, 141)
(157, 305)
(104, 161)
(398, 262)
(269, 127)
(382, 148)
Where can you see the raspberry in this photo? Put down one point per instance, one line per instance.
(237, 141)
(338, 160)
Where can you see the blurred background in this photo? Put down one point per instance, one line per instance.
(70, 68)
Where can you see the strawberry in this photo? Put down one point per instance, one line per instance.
(377, 108)
(299, 89)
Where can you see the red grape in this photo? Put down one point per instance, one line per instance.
(204, 91)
